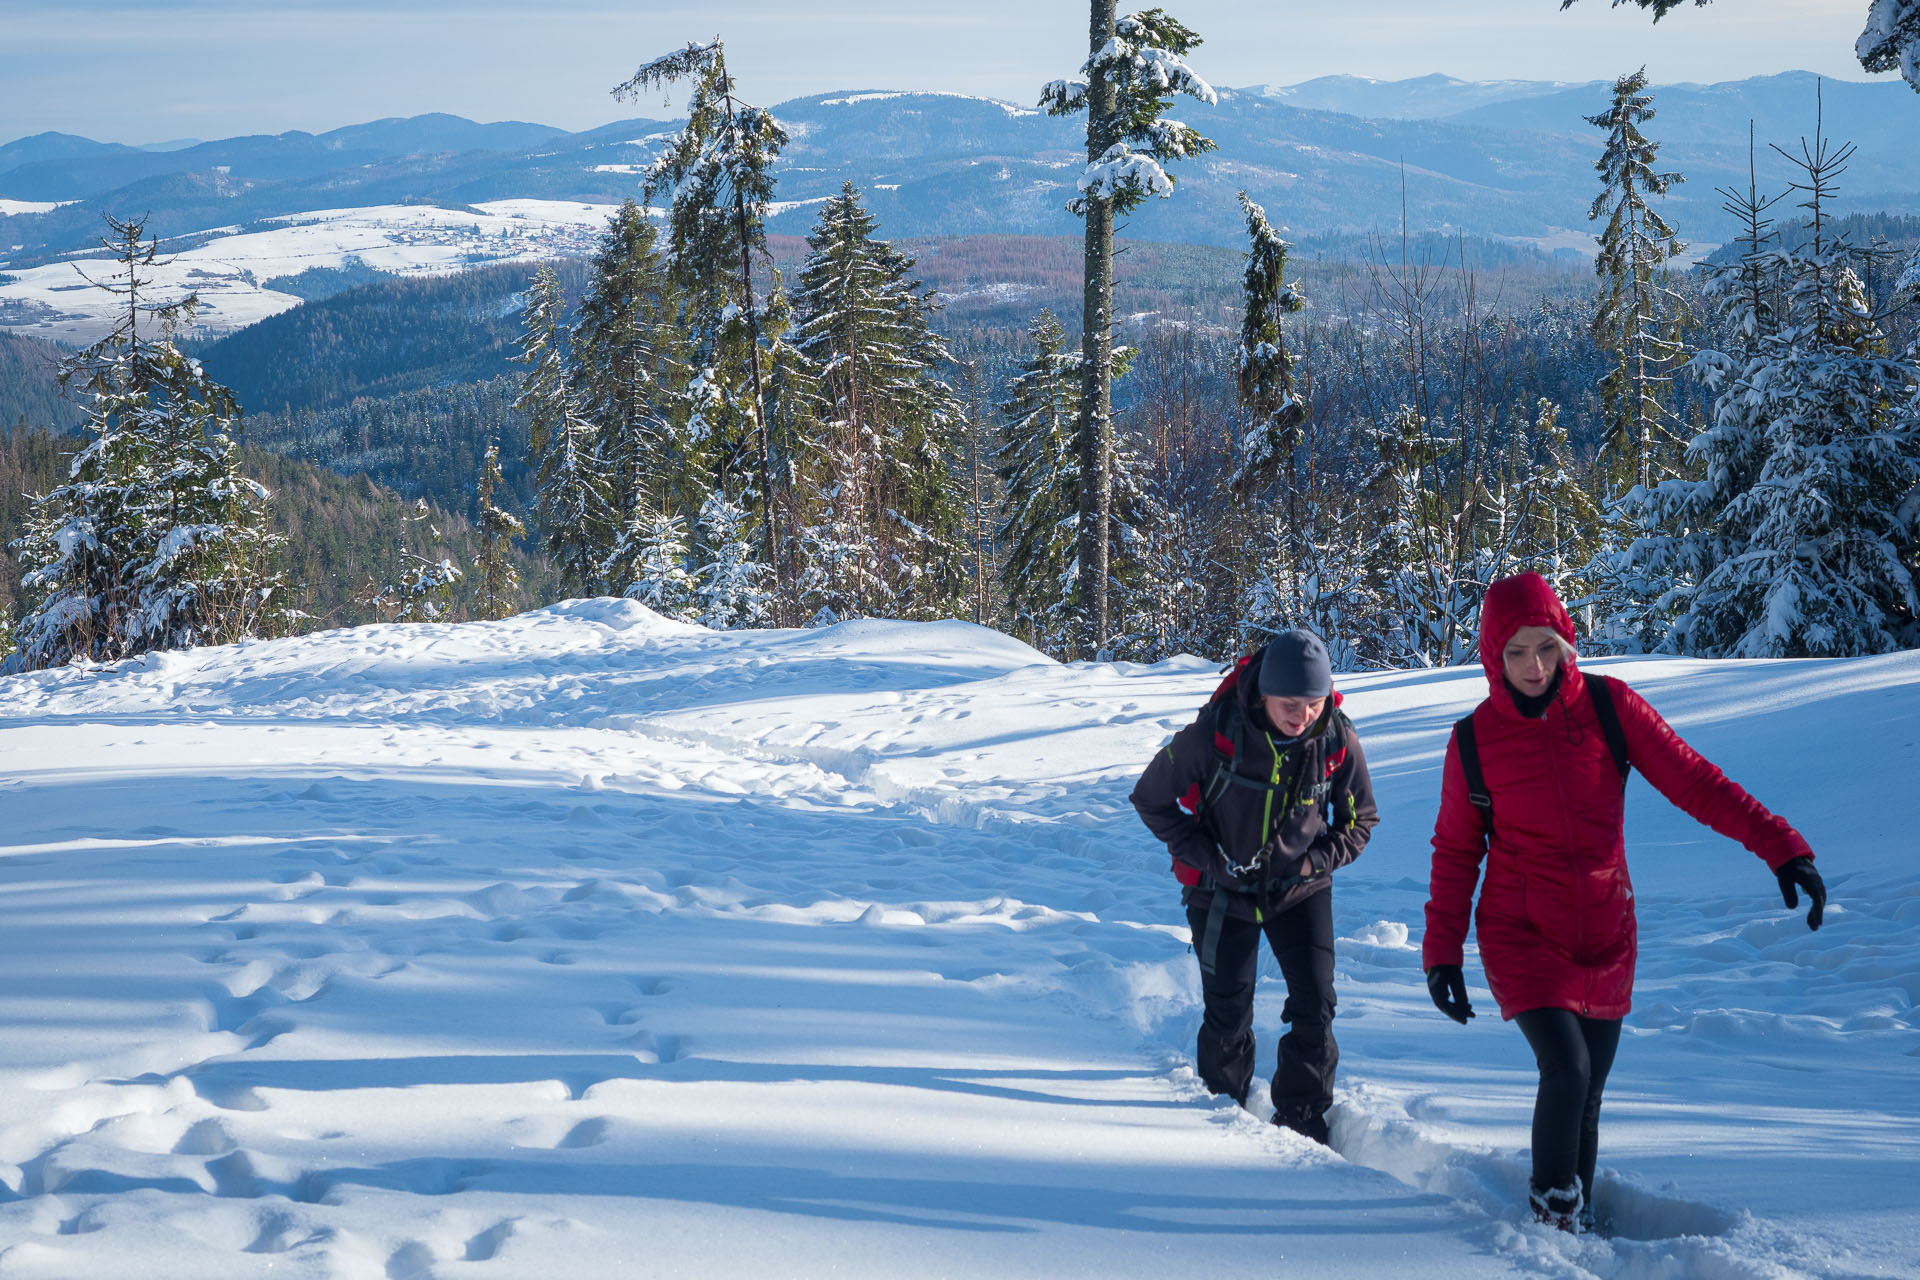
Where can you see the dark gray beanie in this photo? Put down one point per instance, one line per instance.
(1296, 666)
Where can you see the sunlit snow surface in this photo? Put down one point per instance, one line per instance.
(590, 944)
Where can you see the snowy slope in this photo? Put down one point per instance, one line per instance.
(587, 943)
(233, 269)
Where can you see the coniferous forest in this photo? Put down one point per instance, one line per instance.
(1180, 452)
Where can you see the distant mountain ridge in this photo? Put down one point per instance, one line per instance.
(1429, 97)
(1508, 159)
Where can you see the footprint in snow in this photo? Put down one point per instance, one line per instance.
(618, 1014)
(588, 1133)
(651, 1047)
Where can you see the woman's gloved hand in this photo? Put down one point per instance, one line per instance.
(1798, 873)
(1448, 987)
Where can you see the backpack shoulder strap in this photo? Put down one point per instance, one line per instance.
(1469, 746)
(1228, 737)
(1600, 689)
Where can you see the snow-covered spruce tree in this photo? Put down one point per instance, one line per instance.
(212, 575)
(1797, 542)
(1135, 66)
(499, 580)
(1640, 572)
(888, 450)
(1161, 562)
(1039, 470)
(155, 540)
(626, 379)
(1275, 411)
(661, 580)
(1039, 467)
(422, 591)
(731, 585)
(1310, 576)
(1891, 40)
(718, 171)
(1547, 521)
(1425, 571)
(1264, 478)
(572, 509)
(1638, 319)
(543, 387)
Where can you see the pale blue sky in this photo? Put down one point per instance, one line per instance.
(151, 70)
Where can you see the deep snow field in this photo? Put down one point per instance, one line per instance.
(589, 944)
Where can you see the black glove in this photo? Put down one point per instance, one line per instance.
(1799, 872)
(1448, 988)
(1313, 863)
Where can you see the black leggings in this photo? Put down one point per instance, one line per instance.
(1574, 1055)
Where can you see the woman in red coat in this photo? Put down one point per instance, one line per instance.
(1555, 921)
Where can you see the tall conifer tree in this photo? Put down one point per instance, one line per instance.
(1134, 67)
(1797, 542)
(1637, 322)
(155, 541)
(572, 507)
(498, 527)
(719, 173)
(887, 458)
(1039, 468)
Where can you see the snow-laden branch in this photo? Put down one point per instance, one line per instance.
(1121, 175)
(1154, 68)
(1907, 288)
(667, 68)
(1891, 39)
(1064, 97)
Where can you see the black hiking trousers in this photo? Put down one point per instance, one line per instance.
(1302, 941)
(1574, 1055)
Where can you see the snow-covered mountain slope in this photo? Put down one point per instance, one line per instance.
(586, 943)
(1511, 160)
(233, 270)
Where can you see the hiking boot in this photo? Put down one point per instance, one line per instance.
(1562, 1208)
(1311, 1124)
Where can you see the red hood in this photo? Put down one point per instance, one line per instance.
(1524, 600)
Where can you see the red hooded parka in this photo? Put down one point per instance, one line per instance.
(1555, 920)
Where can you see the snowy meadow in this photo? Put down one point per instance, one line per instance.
(587, 943)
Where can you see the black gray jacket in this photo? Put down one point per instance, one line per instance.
(1265, 819)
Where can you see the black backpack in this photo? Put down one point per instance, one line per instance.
(1598, 688)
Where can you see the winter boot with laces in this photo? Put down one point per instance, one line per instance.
(1562, 1208)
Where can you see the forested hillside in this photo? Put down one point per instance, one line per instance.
(423, 443)
(28, 394)
(344, 532)
(377, 339)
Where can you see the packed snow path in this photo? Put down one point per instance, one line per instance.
(590, 944)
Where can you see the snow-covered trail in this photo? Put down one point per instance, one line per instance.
(585, 943)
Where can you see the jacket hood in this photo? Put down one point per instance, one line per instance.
(1524, 600)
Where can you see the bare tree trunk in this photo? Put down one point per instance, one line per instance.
(1094, 429)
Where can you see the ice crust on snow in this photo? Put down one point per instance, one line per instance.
(548, 943)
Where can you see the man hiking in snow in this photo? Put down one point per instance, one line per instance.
(1260, 800)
